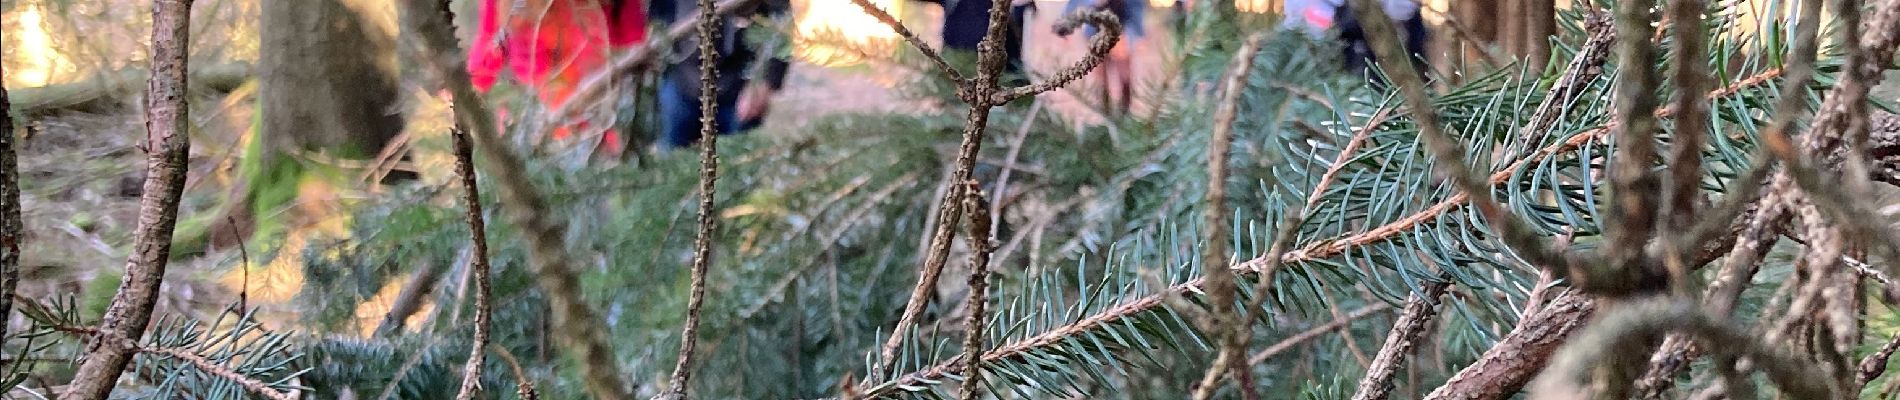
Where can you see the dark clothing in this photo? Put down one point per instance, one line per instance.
(1358, 53)
(966, 21)
(679, 87)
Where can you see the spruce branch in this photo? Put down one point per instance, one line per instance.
(478, 235)
(981, 93)
(708, 178)
(1229, 324)
(249, 384)
(575, 323)
(1338, 323)
(980, 249)
(167, 146)
(524, 387)
(1585, 67)
(1876, 364)
(1421, 310)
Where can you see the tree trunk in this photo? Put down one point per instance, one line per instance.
(167, 145)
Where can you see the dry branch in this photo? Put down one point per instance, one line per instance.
(1420, 311)
(575, 324)
(167, 144)
(708, 180)
(1632, 183)
(980, 249)
(929, 53)
(1515, 360)
(478, 235)
(1636, 323)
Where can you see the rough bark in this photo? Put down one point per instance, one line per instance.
(1514, 361)
(167, 143)
(12, 229)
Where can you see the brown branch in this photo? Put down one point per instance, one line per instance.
(1513, 361)
(12, 227)
(524, 388)
(1228, 323)
(1876, 364)
(167, 145)
(980, 249)
(1109, 32)
(1420, 310)
(1577, 75)
(1338, 323)
(575, 324)
(915, 41)
(979, 93)
(1633, 186)
(708, 178)
(1682, 194)
(478, 235)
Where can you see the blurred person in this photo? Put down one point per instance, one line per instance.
(550, 46)
(966, 21)
(742, 102)
(1116, 75)
(1358, 56)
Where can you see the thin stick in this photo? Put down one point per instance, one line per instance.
(478, 233)
(167, 145)
(1633, 184)
(708, 178)
(1420, 310)
(1640, 321)
(524, 388)
(1338, 323)
(1876, 364)
(980, 248)
(1683, 192)
(902, 31)
(1228, 322)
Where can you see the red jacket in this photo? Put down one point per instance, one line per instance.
(549, 46)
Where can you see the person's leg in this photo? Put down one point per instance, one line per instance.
(679, 115)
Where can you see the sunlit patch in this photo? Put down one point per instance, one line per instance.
(34, 61)
(837, 33)
(1257, 6)
(371, 313)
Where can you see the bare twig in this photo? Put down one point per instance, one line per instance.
(1448, 154)
(478, 234)
(980, 248)
(708, 178)
(1109, 31)
(575, 324)
(1420, 310)
(916, 42)
(524, 388)
(1228, 323)
(167, 144)
(1876, 364)
(981, 93)
(1507, 366)
(1683, 192)
(1338, 323)
(1577, 75)
(1633, 185)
